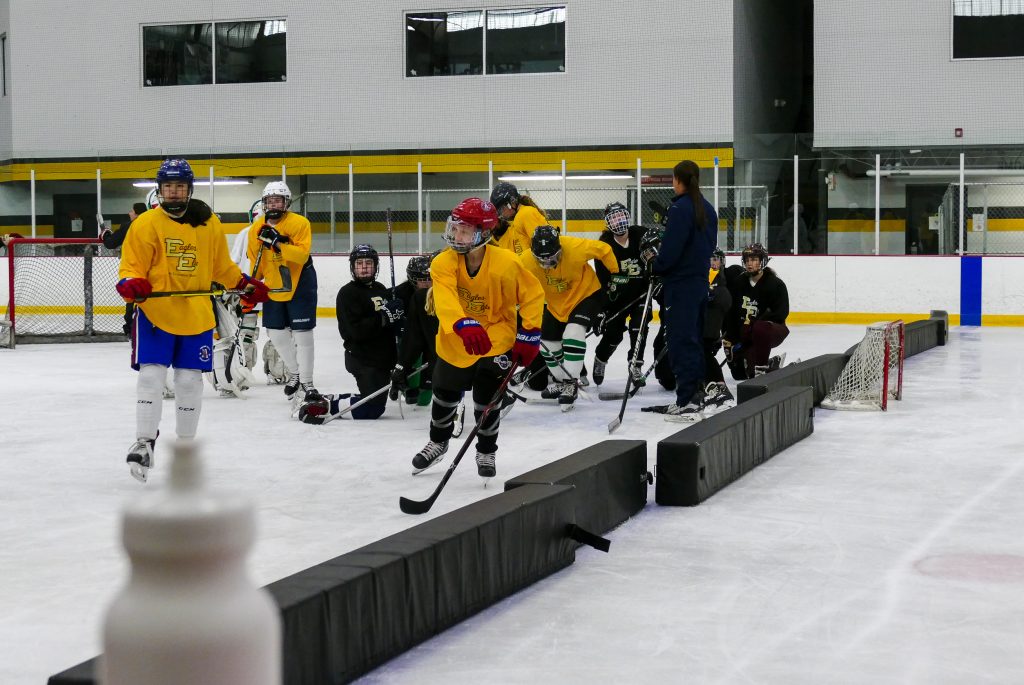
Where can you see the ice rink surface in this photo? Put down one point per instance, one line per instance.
(885, 548)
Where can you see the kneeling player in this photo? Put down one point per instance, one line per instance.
(757, 320)
(477, 287)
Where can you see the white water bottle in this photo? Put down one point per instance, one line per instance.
(190, 613)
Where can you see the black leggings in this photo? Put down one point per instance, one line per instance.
(483, 379)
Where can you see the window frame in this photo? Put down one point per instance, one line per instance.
(213, 50)
(485, 72)
(952, 47)
(3, 56)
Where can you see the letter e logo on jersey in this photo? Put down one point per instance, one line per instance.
(185, 253)
(472, 304)
(560, 285)
(750, 306)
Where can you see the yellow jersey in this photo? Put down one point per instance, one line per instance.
(490, 297)
(177, 256)
(574, 279)
(520, 231)
(293, 255)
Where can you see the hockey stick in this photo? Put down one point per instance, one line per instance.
(641, 342)
(579, 389)
(411, 506)
(633, 392)
(195, 293)
(367, 398)
(284, 271)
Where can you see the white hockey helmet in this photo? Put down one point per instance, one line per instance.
(276, 189)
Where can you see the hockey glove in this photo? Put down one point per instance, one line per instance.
(659, 213)
(272, 238)
(649, 252)
(474, 337)
(599, 323)
(399, 384)
(526, 346)
(134, 289)
(727, 348)
(255, 291)
(392, 311)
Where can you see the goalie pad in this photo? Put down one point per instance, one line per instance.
(248, 334)
(273, 365)
(230, 373)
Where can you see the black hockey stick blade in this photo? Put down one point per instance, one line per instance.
(411, 506)
(585, 537)
(616, 395)
(286, 281)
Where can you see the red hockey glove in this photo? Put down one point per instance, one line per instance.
(473, 335)
(134, 289)
(255, 291)
(526, 346)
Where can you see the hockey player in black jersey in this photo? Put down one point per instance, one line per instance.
(757, 321)
(367, 315)
(417, 337)
(626, 287)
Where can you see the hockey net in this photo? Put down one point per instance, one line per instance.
(59, 290)
(874, 374)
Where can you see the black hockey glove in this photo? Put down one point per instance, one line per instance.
(399, 383)
(272, 238)
(392, 311)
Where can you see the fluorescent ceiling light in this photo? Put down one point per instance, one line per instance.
(558, 177)
(216, 182)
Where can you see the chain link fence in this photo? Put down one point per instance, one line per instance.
(342, 219)
(992, 221)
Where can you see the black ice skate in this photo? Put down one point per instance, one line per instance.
(636, 370)
(567, 397)
(485, 465)
(291, 387)
(717, 398)
(432, 453)
(599, 371)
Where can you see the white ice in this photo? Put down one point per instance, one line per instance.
(885, 548)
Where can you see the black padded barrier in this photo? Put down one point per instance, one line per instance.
(920, 336)
(819, 373)
(352, 613)
(701, 459)
(610, 480)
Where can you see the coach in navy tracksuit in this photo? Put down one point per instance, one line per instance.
(682, 263)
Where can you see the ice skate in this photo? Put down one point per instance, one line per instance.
(691, 412)
(140, 459)
(599, 367)
(485, 465)
(432, 453)
(567, 396)
(292, 386)
(717, 398)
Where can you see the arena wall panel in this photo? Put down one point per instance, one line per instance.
(703, 458)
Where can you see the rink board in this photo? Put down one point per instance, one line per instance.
(609, 481)
(705, 457)
(352, 613)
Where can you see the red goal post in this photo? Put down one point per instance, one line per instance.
(874, 374)
(61, 290)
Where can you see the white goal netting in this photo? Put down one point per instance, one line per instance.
(61, 291)
(874, 374)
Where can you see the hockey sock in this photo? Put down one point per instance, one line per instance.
(442, 414)
(487, 436)
(149, 393)
(304, 354)
(574, 344)
(284, 343)
(551, 350)
(188, 398)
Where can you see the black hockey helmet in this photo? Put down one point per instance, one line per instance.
(546, 247)
(617, 218)
(756, 250)
(363, 251)
(418, 269)
(504, 194)
(718, 254)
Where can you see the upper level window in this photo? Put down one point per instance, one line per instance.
(251, 51)
(986, 29)
(223, 52)
(177, 55)
(444, 43)
(522, 41)
(494, 41)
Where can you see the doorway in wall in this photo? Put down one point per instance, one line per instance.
(922, 234)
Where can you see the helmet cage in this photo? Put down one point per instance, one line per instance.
(617, 220)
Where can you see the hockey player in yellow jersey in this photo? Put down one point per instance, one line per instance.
(518, 217)
(574, 298)
(178, 246)
(476, 289)
(280, 241)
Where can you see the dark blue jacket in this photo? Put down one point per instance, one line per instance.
(686, 248)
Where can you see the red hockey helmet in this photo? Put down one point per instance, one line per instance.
(478, 215)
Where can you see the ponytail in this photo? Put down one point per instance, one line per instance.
(529, 202)
(688, 173)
